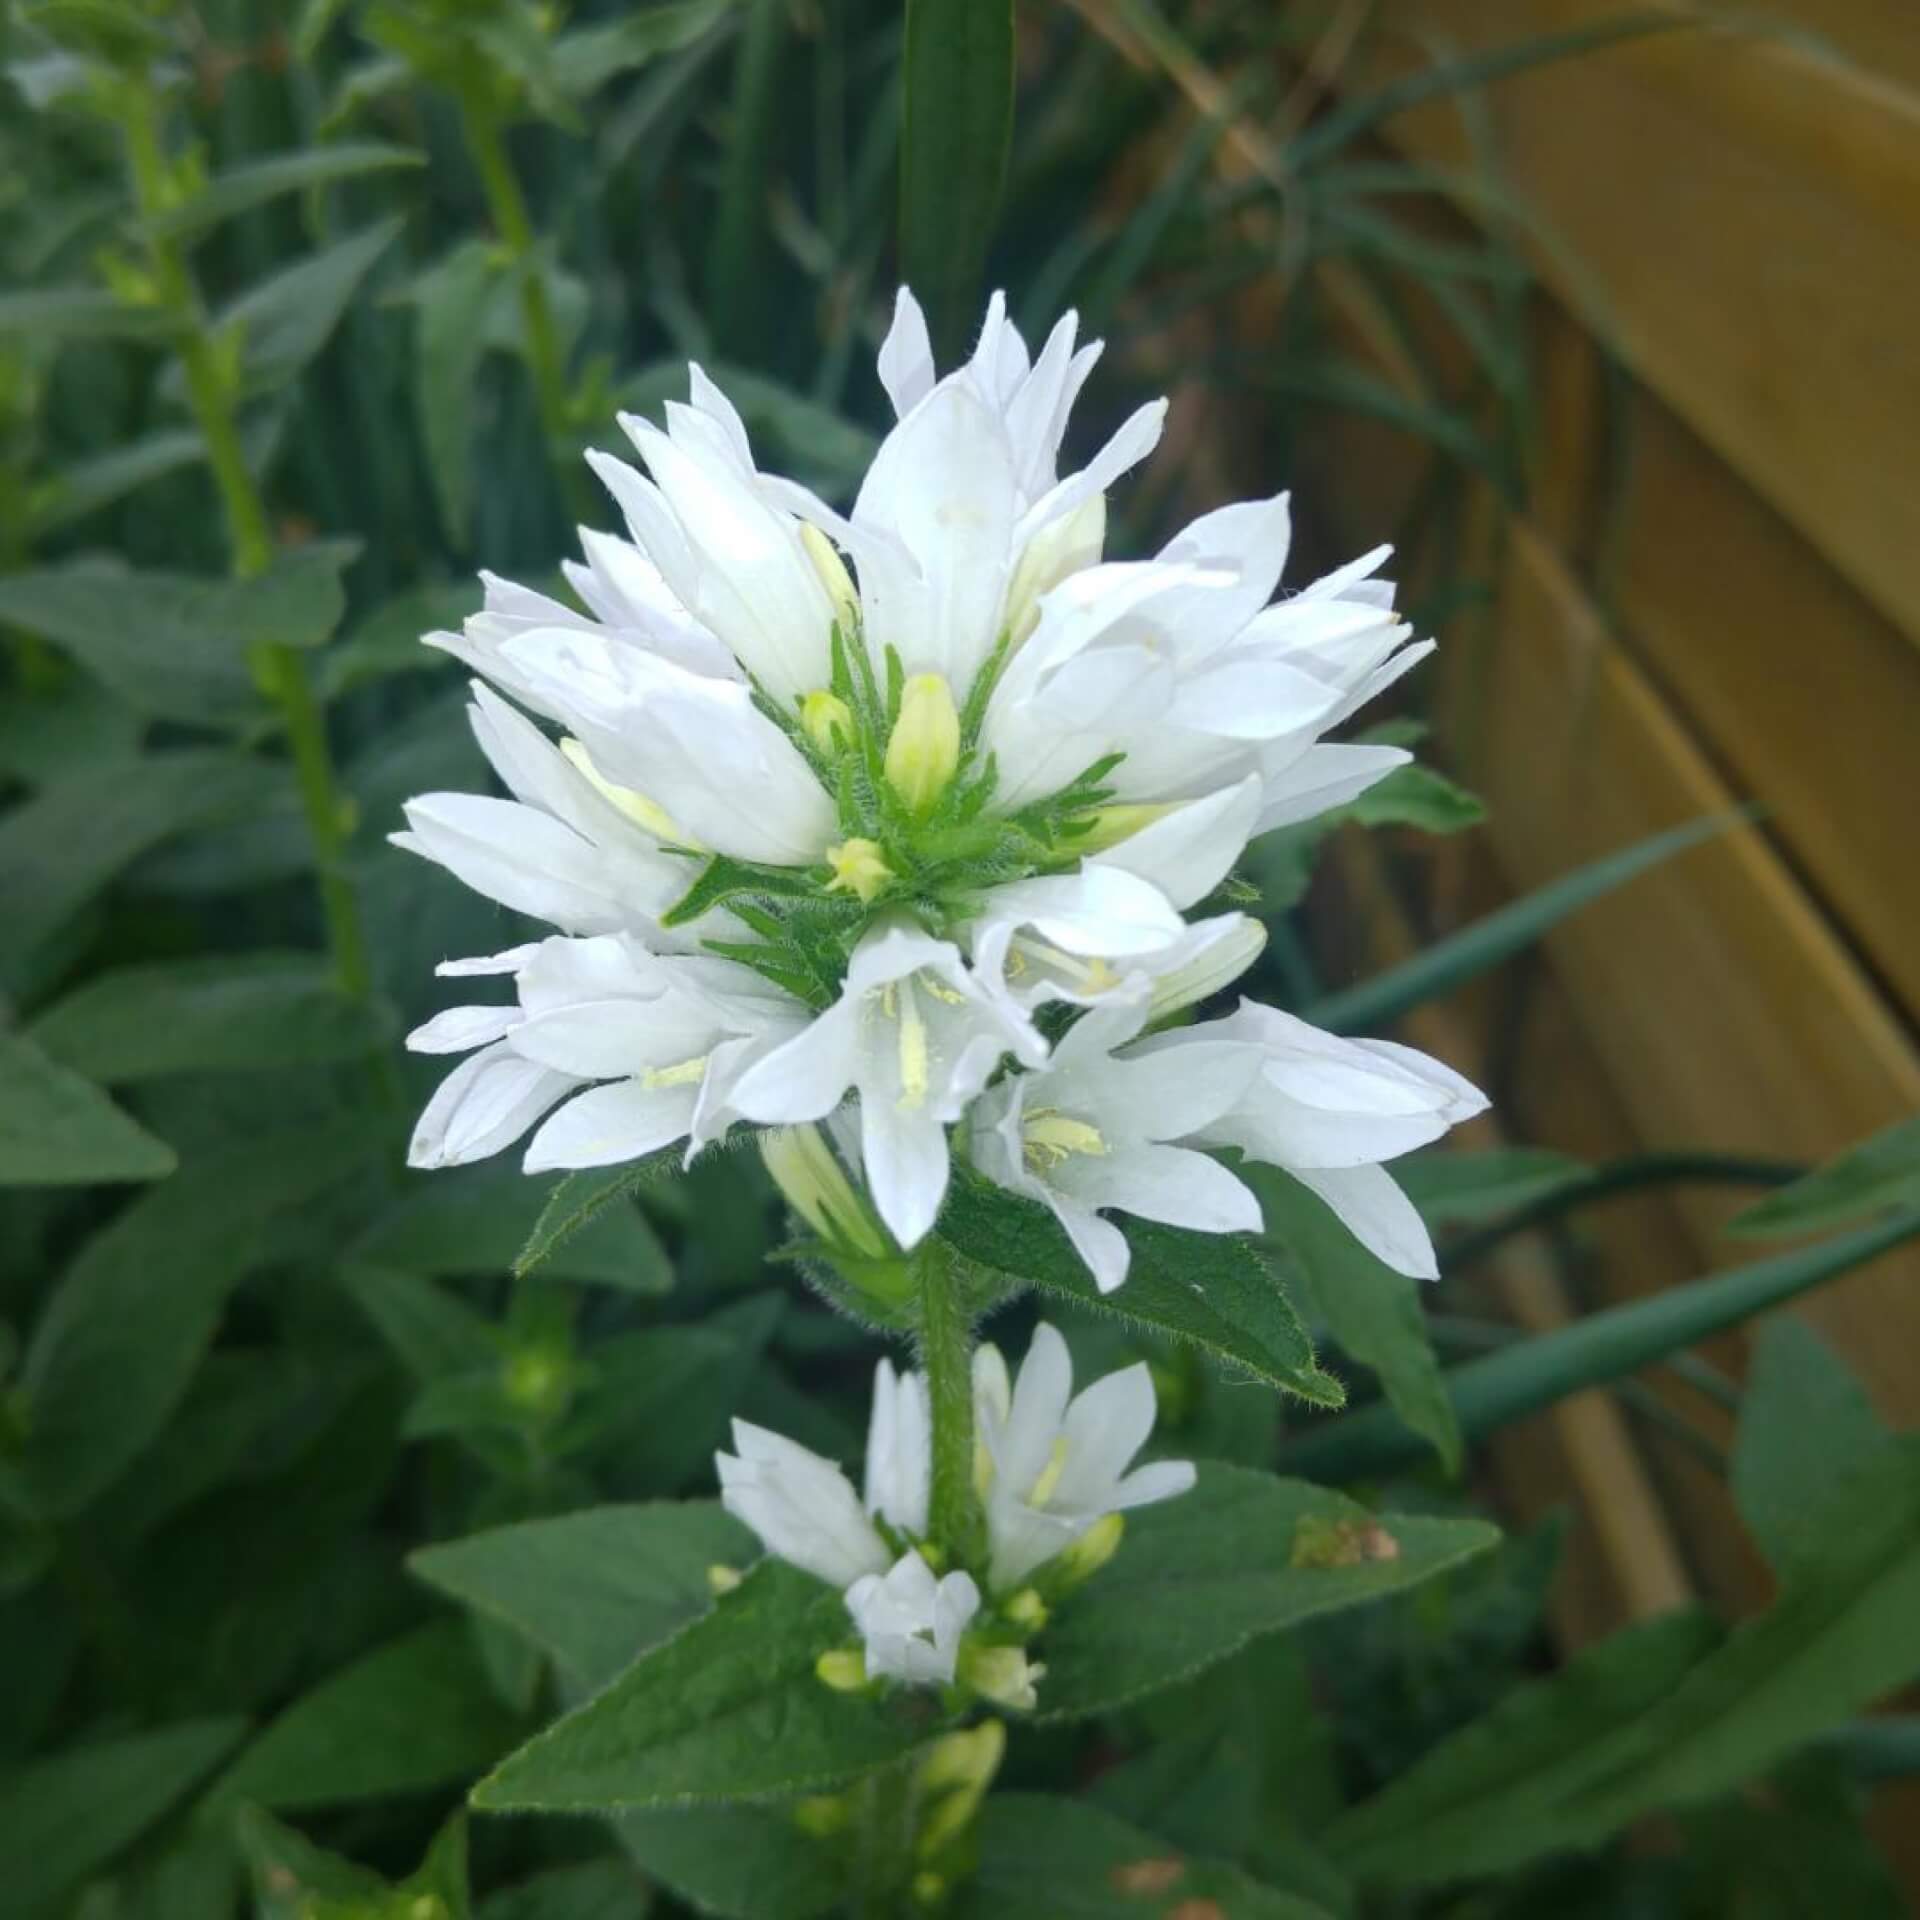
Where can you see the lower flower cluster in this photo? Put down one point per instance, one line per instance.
(1053, 1474)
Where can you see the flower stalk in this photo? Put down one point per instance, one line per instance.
(946, 1355)
(279, 670)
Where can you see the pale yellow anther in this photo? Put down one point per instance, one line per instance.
(1108, 826)
(636, 806)
(1093, 1549)
(1050, 1136)
(924, 748)
(859, 868)
(1049, 1480)
(684, 1073)
(833, 575)
(805, 1170)
(826, 720)
(913, 1051)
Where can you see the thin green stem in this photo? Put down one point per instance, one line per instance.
(281, 671)
(546, 360)
(883, 1842)
(946, 1355)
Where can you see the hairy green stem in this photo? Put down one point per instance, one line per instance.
(280, 670)
(546, 361)
(946, 1355)
(882, 1864)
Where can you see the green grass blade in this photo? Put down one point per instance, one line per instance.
(957, 129)
(1521, 1379)
(1452, 962)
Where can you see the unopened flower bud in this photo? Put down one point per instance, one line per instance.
(968, 1759)
(823, 1814)
(1003, 1675)
(723, 1579)
(859, 867)
(924, 749)
(844, 1670)
(809, 1174)
(929, 1888)
(1108, 826)
(826, 720)
(1027, 1610)
(1093, 1549)
(833, 575)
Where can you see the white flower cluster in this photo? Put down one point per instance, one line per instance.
(842, 845)
(1052, 1472)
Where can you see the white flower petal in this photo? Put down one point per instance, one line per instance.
(461, 1029)
(1188, 852)
(608, 1125)
(487, 1102)
(1372, 1208)
(906, 356)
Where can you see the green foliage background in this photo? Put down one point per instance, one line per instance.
(312, 1508)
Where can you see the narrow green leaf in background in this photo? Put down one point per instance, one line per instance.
(76, 313)
(452, 301)
(236, 1012)
(956, 133)
(729, 1709)
(255, 182)
(1534, 1373)
(85, 486)
(592, 1589)
(1242, 1555)
(64, 1816)
(1212, 1291)
(58, 1130)
(1867, 1179)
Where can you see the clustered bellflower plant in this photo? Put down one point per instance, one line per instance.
(905, 836)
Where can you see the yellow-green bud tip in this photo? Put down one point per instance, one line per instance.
(844, 1670)
(826, 720)
(833, 575)
(929, 1888)
(1094, 1548)
(822, 1815)
(723, 1579)
(1027, 1610)
(858, 866)
(1003, 1675)
(924, 749)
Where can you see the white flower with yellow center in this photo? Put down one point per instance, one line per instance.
(1053, 1463)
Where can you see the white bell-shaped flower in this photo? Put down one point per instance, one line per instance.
(912, 1623)
(802, 1506)
(1054, 1462)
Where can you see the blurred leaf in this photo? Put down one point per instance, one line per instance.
(453, 300)
(956, 133)
(176, 645)
(252, 184)
(77, 834)
(295, 1880)
(1043, 1857)
(588, 1890)
(477, 1220)
(1243, 1554)
(1806, 1428)
(586, 58)
(125, 1328)
(1535, 1372)
(414, 1714)
(1373, 1312)
(591, 1589)
(1452, 1188)
(73, 492)
(388, 641)
(77, 313)
(1416, 796)
(64, 1817)
(1451, 962)
(232, 1012)
(728, 1709)
(742, 1863)
(432, 1332)
(737, 246)
(1213, 1291)
(1490, 1797)
(58, 1130)
(45, 735)
(1867, 1179)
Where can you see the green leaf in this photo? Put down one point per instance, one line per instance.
(240, 189)
(453, 301)
(388, 641)
(1453, 1188)
(64, 1817)
(1242, 1555)
(119, 1340)
(74, 492)
(1417, 796)
(1046, 1858)
(742, 1863)
(435, 1335)
(295, 1880)
(1530, 1374)
(176, 645)
(58, 1130)
(578, 1201)
(77, 313)
(589, 1890)
(585, 59)
(415, 1714)
(1806, 1427)
(1868, 1179)
(1490, 1796)
(1212, 1291)
(729, 1709)
(479, 1221)
(1373, 1312)
(1451, 962)
(231, 1012)
(591, 1589)
(956, 133)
